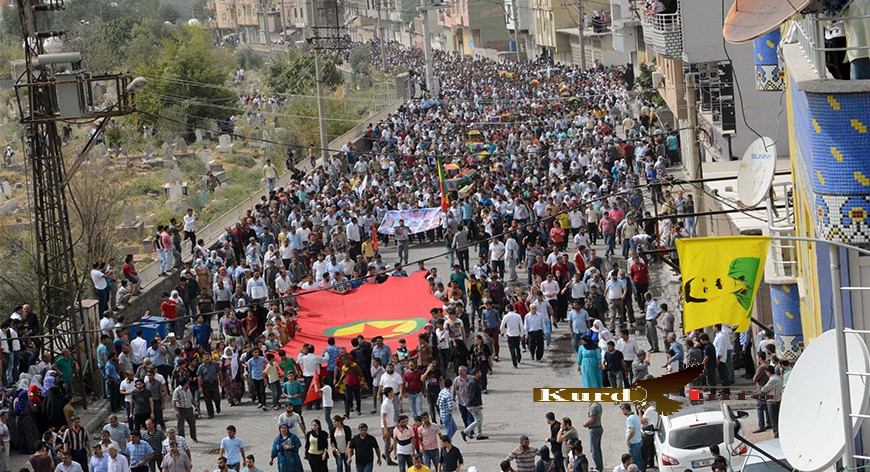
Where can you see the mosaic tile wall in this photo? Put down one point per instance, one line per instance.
(787, 327)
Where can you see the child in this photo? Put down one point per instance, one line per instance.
(402, 350)
(272, 344)
(272, 376)
(286, 364)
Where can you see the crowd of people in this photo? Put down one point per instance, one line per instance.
(553, 176)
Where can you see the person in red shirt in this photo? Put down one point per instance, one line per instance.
(640, 276)
(580, 260)
(557, 236)
(540, 269)
(352, 380)
(168, 307)
(131, 275)
(414, 387)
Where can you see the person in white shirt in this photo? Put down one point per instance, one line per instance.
(190, 229)
(511, 256)
(512, 326)
(257, 288)
(391, 379)
(629, 349)
(496, 257)
(720, 342)
(138, 348)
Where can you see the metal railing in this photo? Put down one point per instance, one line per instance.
(783, 253)
(810, 35)
(664, 32)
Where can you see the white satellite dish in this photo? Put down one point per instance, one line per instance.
(810, 415)
(755, 175)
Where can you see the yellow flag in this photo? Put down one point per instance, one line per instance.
(720, 279)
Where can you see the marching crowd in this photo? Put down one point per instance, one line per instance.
(553, 177)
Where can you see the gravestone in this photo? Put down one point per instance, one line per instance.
(148, 150)
(6, 188)
(130, 229)
(225, 145)
(198, 134)
(205, 156)
(181, 146)
(218, 196)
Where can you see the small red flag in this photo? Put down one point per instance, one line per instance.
(374, 236)
(313, 393)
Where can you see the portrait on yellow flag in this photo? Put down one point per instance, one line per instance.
(720, 279)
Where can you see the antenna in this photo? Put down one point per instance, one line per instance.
(810, 416)
(755, 175)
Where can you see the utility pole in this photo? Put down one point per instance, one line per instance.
(581, 8)
(516, 15)
(318, 72)
(55, 88)
(427, 50)
(381, 38)
(693, 156)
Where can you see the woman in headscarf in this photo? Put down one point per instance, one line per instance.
(203, 278)
(545, 463)
(28, 420)
(233, 380)
(604, 337)
(286, 449)
(34, 392)
(54, 400)
(317, 447)
(589, 363)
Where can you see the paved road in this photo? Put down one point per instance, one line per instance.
(508, 408)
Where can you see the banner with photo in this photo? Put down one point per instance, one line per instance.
(418, 220)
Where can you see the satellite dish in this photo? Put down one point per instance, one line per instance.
(755, 175)
(810, 421)
(193, 22)
(749, 19)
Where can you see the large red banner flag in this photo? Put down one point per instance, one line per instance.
(396, 309)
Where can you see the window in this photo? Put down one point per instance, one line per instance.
(696, 437)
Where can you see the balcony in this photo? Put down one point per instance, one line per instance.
(664, 33)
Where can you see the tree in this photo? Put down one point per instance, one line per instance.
(297, 75)
(188, 75)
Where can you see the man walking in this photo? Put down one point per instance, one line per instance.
(365, 448)
(402, 234)
(75, 440)
(232, 448)
(475, 408)
(633, 438)
(446, 407)
(451, 457)
(182, 402)
(773, 389)
(513, 327)
(210, 377)
(652, 314)
(534, 326)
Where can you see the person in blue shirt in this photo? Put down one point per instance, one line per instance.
(331, 353)
(633, 437)
(293, 392)
(99, 461)
(256, 364)
(579, 322)
(232, 448)
(201, 332)
(113, 383)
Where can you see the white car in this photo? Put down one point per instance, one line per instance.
(756, 462)
(682, 441)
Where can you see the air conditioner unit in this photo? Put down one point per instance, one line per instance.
(656, 79)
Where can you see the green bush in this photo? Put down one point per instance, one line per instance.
(145, 184)
(241, 160)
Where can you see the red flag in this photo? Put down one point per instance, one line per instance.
(313, 393)
(374, 236)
